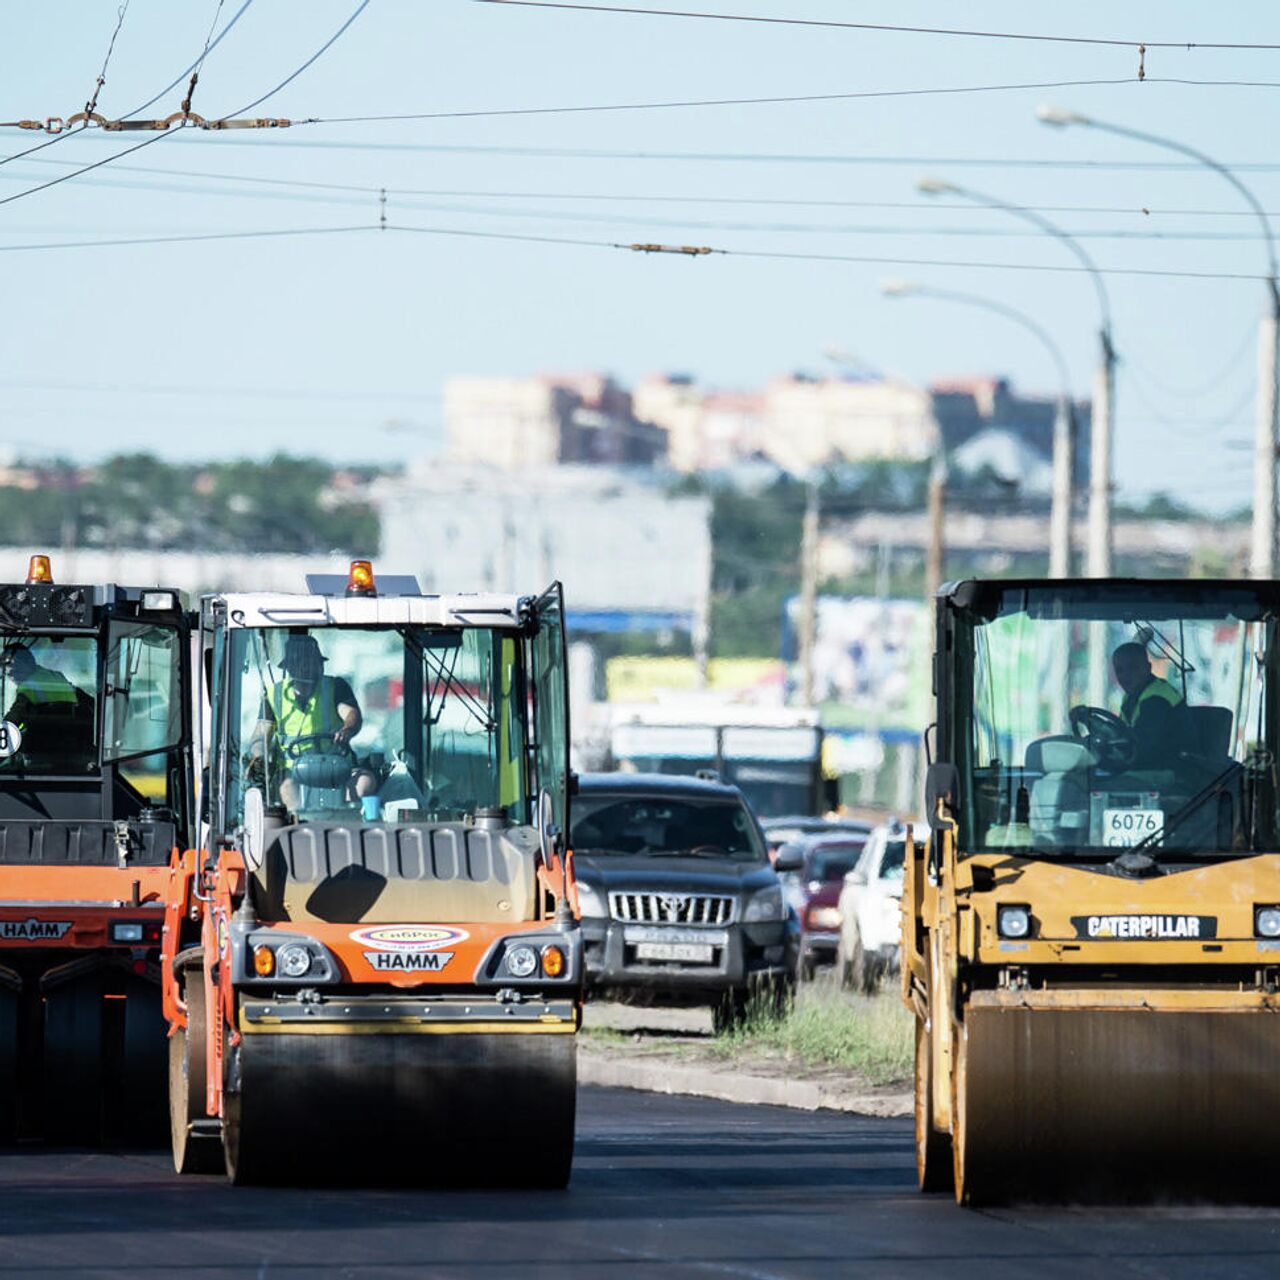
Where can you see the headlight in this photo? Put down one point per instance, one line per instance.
(824, 917)
(591, 901)
(522, 961)
(765, 905)
(1013, 922)
(1267, 922)
(293, 960)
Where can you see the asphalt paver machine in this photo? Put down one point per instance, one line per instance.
(95, 796)
(375, 966)
(1092, 928)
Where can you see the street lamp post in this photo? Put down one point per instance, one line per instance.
(1263, 541)
(1098, 547)
(1064, 422)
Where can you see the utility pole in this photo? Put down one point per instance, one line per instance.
(1098, 556)
(808, 592)
(935, 553)
(1060, 512)
(1262, 552)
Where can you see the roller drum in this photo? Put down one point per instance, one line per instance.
(1093, 1105)
(475, 1109)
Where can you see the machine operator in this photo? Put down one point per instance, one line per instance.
(309, 712)
(1150, 702)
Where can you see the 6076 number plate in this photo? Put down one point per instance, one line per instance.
(1123, 828)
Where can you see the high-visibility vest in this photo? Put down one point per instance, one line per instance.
(1156, 688)
(296, 718)
(45, 686)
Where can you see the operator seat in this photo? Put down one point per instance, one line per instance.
(1059, 809)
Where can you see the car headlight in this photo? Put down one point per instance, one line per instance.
(1266, 920)
(293, 960)
(591, 901)
(765, 905)
(824, 918)
(1013, 922)
(522, 962)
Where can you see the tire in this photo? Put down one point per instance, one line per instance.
(192, 1152)
(807, 970)
(73, 1075)
(857, 964)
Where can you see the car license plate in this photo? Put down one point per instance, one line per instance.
(633, 933)
(1123, 828)
(693, 952)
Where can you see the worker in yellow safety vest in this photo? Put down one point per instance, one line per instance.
(45, 708)
(1150, 706)
(308, 712)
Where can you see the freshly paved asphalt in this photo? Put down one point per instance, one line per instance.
(662, 1186)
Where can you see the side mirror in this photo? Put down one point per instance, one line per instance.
(941, 782)
(855, 877)
(789, 859)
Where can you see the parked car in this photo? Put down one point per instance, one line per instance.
(780, 831)
(870, 908)
(812, 870)
(679, 903)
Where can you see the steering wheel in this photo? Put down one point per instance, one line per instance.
(1106, 735)
(307, 744)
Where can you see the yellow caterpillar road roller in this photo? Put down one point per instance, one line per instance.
(373, 966)
(1091, 939)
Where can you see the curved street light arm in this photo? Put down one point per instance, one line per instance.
(1009, 313)
(1049, 228)
(1171, 144)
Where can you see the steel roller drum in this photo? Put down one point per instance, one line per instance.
(477, 1109)
(1100, 1105)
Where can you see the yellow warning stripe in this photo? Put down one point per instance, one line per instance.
(405, 1026)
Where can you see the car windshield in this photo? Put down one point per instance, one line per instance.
(664, 826)
(49, 691)
(895, 853)
(1095, 719)
(427, 723)
(833, 861)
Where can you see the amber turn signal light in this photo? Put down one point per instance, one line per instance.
(360, 581)
(264, 961)
(552, 961)
(39, 569)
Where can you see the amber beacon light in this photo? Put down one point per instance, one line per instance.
(39, 569)
(360, 581)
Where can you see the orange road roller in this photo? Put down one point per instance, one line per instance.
(373, 964)
(95, 800)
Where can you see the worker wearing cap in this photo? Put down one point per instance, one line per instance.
(308, 711)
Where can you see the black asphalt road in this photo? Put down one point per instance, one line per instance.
(669, 1187)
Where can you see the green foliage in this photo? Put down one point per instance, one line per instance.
(756, 565)
(285, 504)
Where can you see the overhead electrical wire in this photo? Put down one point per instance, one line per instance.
(210, 46)
(289, 79)
(646, 248)
(375, 189)
(928, 91)
(93, 98)
(886, 27)
(97, 164)
(748, 157)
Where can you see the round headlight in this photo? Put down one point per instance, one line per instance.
(522, 961)
(1013, 922)
(1267, 922)
(293, 960)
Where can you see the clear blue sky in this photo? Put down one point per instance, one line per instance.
(201, 349)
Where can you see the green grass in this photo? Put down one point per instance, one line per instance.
(824, 1027)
